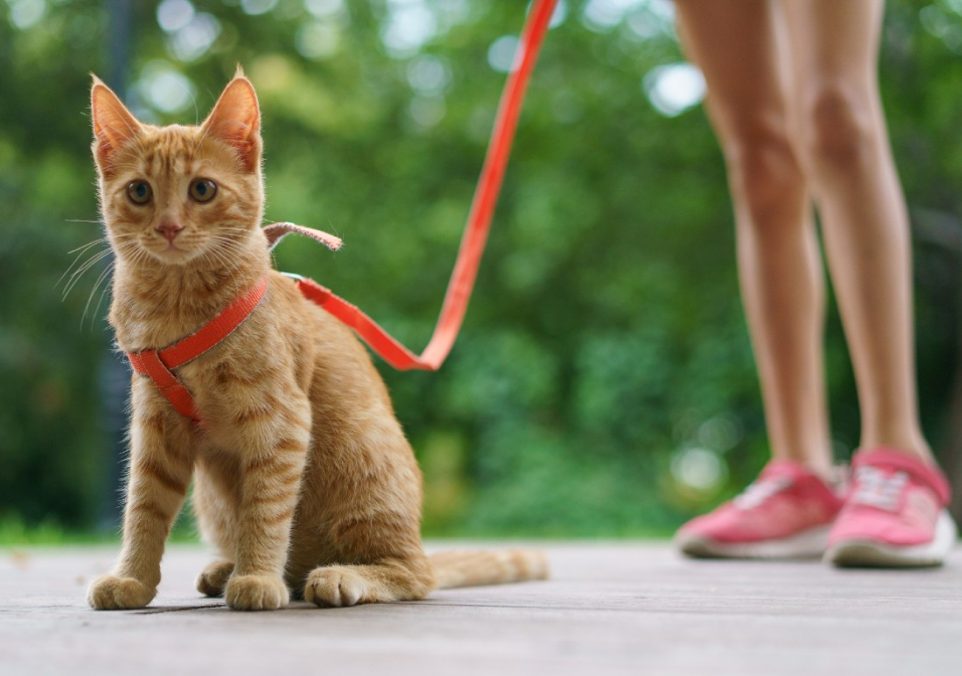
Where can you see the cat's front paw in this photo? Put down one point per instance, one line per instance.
(334, 586)
(213, 579)
(256, 592)
(112, 592)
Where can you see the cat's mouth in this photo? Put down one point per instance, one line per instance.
(173, 253)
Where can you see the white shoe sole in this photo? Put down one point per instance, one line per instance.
(867, 553)
(807, 544)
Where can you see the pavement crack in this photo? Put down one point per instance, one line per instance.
(178, 609)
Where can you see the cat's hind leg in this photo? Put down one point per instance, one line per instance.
(394, 579)
(215, 503)
(213, 579)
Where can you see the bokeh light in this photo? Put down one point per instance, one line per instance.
(674, 88)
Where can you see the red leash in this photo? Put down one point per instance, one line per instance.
(476, 232)
(158, 365)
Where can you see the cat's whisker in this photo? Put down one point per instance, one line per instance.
(229, 259)
(222, 237)
(103, 293)
(103, 275)
(224, 250)
(80, 271)
(82, 250)
(136, 254)
(84, 247)
(220, 258)
(91, 260)
(83, 268)
(71, 286)
(229, 233)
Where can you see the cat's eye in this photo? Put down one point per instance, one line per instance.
(139, 192)
(202, 189)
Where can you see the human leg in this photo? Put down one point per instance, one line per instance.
(786, 512)
(736, 46)
(895, 511)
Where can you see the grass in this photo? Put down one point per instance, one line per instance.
(15, 533)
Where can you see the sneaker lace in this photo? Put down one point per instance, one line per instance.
(877, 488)
(761, 490)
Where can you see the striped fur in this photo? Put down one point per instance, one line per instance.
(303, 479)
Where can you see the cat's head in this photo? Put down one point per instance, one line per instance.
(179, 194)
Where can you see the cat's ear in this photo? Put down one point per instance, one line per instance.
(236, 120)
(113, 124)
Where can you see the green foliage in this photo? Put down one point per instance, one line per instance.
(605, 337)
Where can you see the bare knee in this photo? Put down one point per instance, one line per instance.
(763, 169)
(839, 127)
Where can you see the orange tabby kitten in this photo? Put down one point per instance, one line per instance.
(303, 478)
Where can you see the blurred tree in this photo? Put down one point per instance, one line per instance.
(604, 380)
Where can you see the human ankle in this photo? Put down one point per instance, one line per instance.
(820, 467)
(913, 444)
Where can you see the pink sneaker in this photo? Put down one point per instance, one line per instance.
(786, 513)
(894, 514)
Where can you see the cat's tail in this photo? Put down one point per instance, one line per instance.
(476, 568)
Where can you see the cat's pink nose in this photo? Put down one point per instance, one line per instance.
(169, 230)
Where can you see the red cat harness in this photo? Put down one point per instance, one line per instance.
(159, 365)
